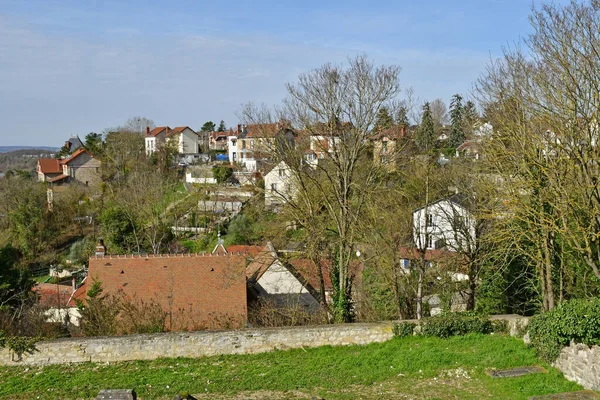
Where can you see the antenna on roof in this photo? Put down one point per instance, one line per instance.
(219, 242)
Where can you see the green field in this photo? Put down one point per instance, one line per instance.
(413, 367)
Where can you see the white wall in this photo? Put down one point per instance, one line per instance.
(443, 215)
(188, 142)
(278, 185)
(281, 285)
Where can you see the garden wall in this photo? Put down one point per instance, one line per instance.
(196, 344)
(580, 363)
(207, 343)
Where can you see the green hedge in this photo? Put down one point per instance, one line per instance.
(455, 324)
(577, 320)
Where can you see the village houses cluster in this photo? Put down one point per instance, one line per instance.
(214, 289)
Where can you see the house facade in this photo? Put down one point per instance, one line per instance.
(250, 144)
(185, 139)
(386, 146)
(444, 224)
(82, 167)
(279, 185)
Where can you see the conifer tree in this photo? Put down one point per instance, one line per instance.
(402, 116)
(470, 117)
(384, 119)
(426, 133)
(457, 134)
(222, 126)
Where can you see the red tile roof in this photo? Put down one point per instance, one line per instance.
(76, 154)
(430, 255)
(308, 270)
(49, 166)
(261, 130)
(159, 129)
(251, 251)
(79, 294)
(57, 178)
(201, 291)
(179, 129)
(260, 265)
(53, 295)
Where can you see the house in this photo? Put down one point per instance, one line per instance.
(469, 149)
(73, 144)
(284, 284)
(386, 144)
(82, 166)
(184, 137)
(219, 140)
(279, 185)
(48, 168)
(57, 300)
(196, 291)
(444, 224)
(252, 143)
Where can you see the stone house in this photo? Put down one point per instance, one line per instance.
(184, 137)
(82, 167)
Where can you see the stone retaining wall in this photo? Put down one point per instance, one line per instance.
(196, 344)
(581, 363)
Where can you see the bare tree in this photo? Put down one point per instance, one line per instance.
(138, 125)
(439, 112)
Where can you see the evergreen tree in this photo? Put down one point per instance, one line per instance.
(457, 134)
(222, 126)
(384, 119)
(208, 126)
(470, 117)
(402, 116)
(425, 137)
(93, 142)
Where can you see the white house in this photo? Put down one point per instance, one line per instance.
(270, 279)
(445, 224)
(279, 185)
(184, 137)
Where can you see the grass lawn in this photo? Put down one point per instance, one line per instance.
(407, 368)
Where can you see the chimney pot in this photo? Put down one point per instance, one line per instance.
(147, 131)
(100, 249)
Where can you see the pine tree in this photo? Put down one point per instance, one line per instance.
(222, 126)
(208, 126)
(470, 117)
(457, 134)
(425, 137)
(402, 116)
(384, 119)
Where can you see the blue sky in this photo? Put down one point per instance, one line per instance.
(73, 67)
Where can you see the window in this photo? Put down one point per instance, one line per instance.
(429, 219)
(458, 223)
(281, 173)
(243, 144)
(429, 241)
(384, 147)
(97, 169)
(252, 144)
(273, 187)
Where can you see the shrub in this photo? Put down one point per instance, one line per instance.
(577, 320)
(499, 326)
(455, 324)
(404, 329)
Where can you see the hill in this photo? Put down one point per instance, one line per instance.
(6, 149)
(22, 157)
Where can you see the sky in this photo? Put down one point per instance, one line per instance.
(74, 67)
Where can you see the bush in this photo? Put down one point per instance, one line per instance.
(455, 324)
(404, 329)
(577, 320)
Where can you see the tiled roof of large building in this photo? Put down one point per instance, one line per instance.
(50, 166)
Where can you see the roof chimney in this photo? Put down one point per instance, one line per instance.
(100, 249)
(239, 129)
(147, 131)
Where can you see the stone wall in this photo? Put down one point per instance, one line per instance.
(581, 363)
(196, 344)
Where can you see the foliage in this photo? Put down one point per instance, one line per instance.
(455, 324)
(222, 127)
(222, 173)
(404, 329)
(15, 283)
(93, 143)
(574, 320)
(98, 312)
(384, 119)
(265, 313)
(425, 137)
(457, 134)
(240, 230)
(309, 372)
(208, 126)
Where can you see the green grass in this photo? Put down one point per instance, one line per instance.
(416, 367)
